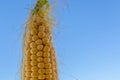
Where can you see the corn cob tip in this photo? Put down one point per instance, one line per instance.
(39, 6)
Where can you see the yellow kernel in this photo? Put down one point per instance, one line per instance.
(33, 45)
(48, 65)
(54, 69)
(54, 74)
(27, 63)
(29, 39)
(49, 44)
(41, 77)
(34, 78)
(34, 31)
(27, 57)
(27, 78)
(54, 78)
(40, 59)
(34, 26)
(40, 54)
(41, 28)
(51, 79)
(54, 58)
(48, 71)
(28, 74)
(45, 40)
(36, 20)
(33, 51)
(27, 52)
(27, 46)
(33, 63)
(46, 48)
(52, 53)
(54, 63)
(46, 60)
(34, 68)
(46, 54)
(27, 68)
(41, 35)
(40, 47)
(34, 74)
(33, 57)
(41, 65)
(35, 37)
(38, 42)
(48, 76)
(47, 30)
(41, 71)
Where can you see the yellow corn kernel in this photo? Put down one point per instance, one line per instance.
(40, 59)
(46, 60)
(41, 65)
(27, 78)
(33, 51)
(51, 79)
(41, 77)
(27, 63)
(34, 78)
(48, 71)
(47, 49)
(48, 65)
(34, 25)
(49, 44)
(48, 76)
(54, 63)
(54, 78)
(28, 68)
(47, 31)
(27, 74)
(29, 39)
(34, 31)
(27, 47)
(38, 42)
(41, 71)
(41, 29)
(33, 57)
(41, 35)
(40, 54)
(27, 57)
(40, 47)
(33, 63)
(35, 37)
(54, 74)
(46, 54)
(54, 69)
(45, 40)
(34, 74)
(33, 45)
(34, 68)
(28, 52)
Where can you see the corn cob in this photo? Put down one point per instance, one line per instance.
(39, 59)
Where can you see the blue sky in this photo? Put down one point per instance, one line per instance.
(86, 38)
